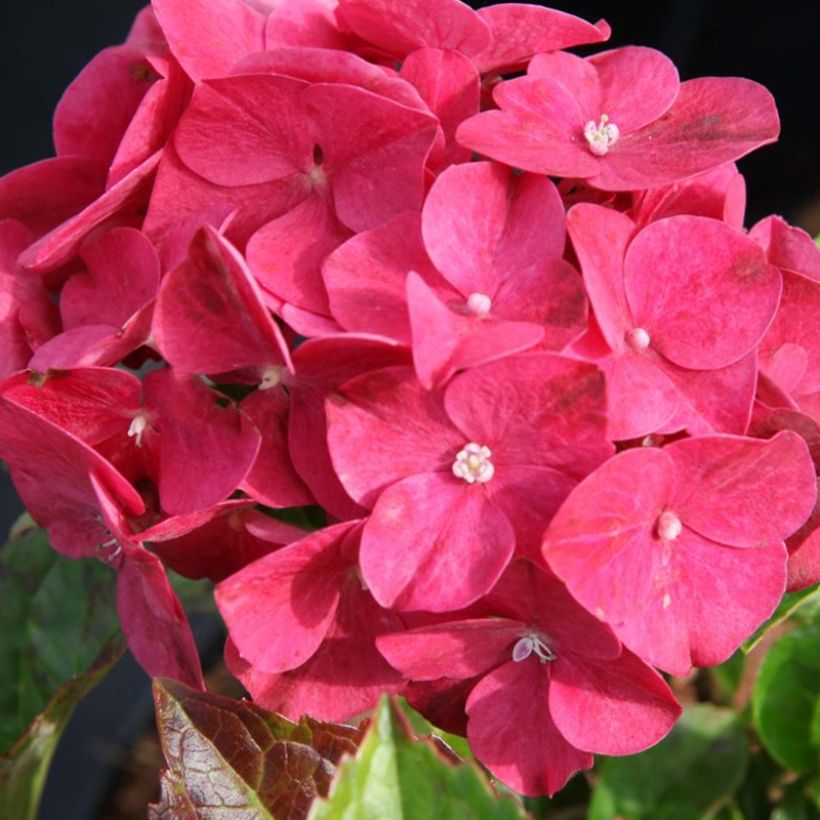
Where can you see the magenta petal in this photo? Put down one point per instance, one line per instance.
(122, 276)
(365, 278)
(383, 427)
(744, 492)
(456, 649)
(637, 85)
(450, 85)
(512, 732)
(286, 255)
(59, 245)
(223, 138)
(209, 36)
(600, 542)
(614, 707)
(702, 290)
(273, 480)
(521, 31)
(279, 608)
(600, 237)
(538, 409)
(706, 598)
(712, 121)
(401, 26)
(159, 635)
(482, 224)
(790, 248)
(345, 677)
(96, 108)
(434, 543)
(205, 449)
(304, 23)
(576, 74)
(362, 135)
(445, 341)
(210, 316)
(537, 129)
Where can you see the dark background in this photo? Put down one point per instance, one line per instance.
(44, 44)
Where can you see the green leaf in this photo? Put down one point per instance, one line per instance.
(785, 700)
(423, 728)
(395, 776)
(802, 605)
(795, 805)
(60, 636)
(685, 777)
(222, 752)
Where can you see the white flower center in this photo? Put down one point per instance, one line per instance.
(137, 428)
(668, 525)
(473, 464)
(271, 377)
(532, 645)
(601, 136)
(637, 338)
(480, 304)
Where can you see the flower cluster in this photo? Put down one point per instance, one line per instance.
(489, 305)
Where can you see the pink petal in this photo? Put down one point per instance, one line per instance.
(790, 248)
(537, 409)
(712, 121)
(159, 635)
(600, 237)
(702, 290)
(705, 600)
(223, 138)
(62, 243)
(435, 544)
(304, 23)
(804, 553)
(279, 608)
(209, 36)
(615, 707)
(445, 341)
(601, 543)
(205, 449)
(456, 649)
(520, 31)
(483, 225)
(539, 128)
(638, 85)
(577, 75)
(512, 732)
(401, 26)
(345, 677)
(286, 255)
(744, 492)
(383, 427)
(273, 480)
(96, 108)
(122, 276)
(374, 150)
(450, 85)
(46, 193)
(210, 317)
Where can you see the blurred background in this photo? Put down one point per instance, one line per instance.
(43, 45)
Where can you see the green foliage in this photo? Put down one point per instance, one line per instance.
(394, 776)
(689, 774)
(60, 636)
(801, 606)
(223, 752)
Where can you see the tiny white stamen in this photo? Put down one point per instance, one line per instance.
(112, 542)
(473, 464)
(667, 599)
(601, 136)
(271, 377)
(637, 338)
(669, 526)
(480, 304)
(529, 645)
(137, 428)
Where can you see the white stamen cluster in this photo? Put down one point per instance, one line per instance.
(473, 464)
(137, 428)
(601, 136)
(480, 304)
(669, 526)
(637, 338)
(271, 377)
(532, 645)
